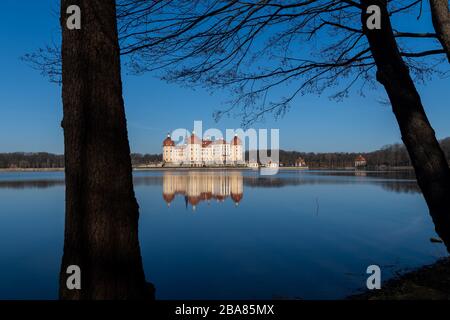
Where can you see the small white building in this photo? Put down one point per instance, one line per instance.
(272, 165)
(360, 161)
(253, 164)
(300, 162)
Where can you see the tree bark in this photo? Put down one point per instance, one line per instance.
(101, 227)
(430, 165)
(440, 16)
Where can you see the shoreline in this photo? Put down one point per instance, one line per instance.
(393, 169)
(31, 170)
(429, 282)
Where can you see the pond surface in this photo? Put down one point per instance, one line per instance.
(233, 234)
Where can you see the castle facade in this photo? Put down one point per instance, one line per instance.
(198, 152)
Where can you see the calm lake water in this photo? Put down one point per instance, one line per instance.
(233, 234)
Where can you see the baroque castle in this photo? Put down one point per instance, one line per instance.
(198, 152)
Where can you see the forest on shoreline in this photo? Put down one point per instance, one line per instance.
(394, 155)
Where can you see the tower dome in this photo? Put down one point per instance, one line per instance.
(168, 142)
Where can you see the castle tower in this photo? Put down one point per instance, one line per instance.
(168, 150)
(236, 150)
(194, 150)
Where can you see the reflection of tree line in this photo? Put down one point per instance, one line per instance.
(395, 174)
(42, 184)
(403, 187)
(401, 182)
(399, 186)
(27, 184)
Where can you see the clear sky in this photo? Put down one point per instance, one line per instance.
(31, 109)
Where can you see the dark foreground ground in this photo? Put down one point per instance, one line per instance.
(427, 283)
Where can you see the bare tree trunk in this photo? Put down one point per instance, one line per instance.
(440, 15)
(101, 228)
(428, 160)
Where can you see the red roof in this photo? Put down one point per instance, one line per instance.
(193, 139)
(206, 143)
(360, 158)
(168, 142)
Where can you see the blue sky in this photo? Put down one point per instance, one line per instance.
(31, 109)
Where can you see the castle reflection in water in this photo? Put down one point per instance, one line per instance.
(196, 187)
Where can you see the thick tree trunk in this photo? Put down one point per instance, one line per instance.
(427, 157)
(440, 15)
(101, 228)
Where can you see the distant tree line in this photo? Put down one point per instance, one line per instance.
(138, 159)
(24, 160)
(394, 155)
(28, 160)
